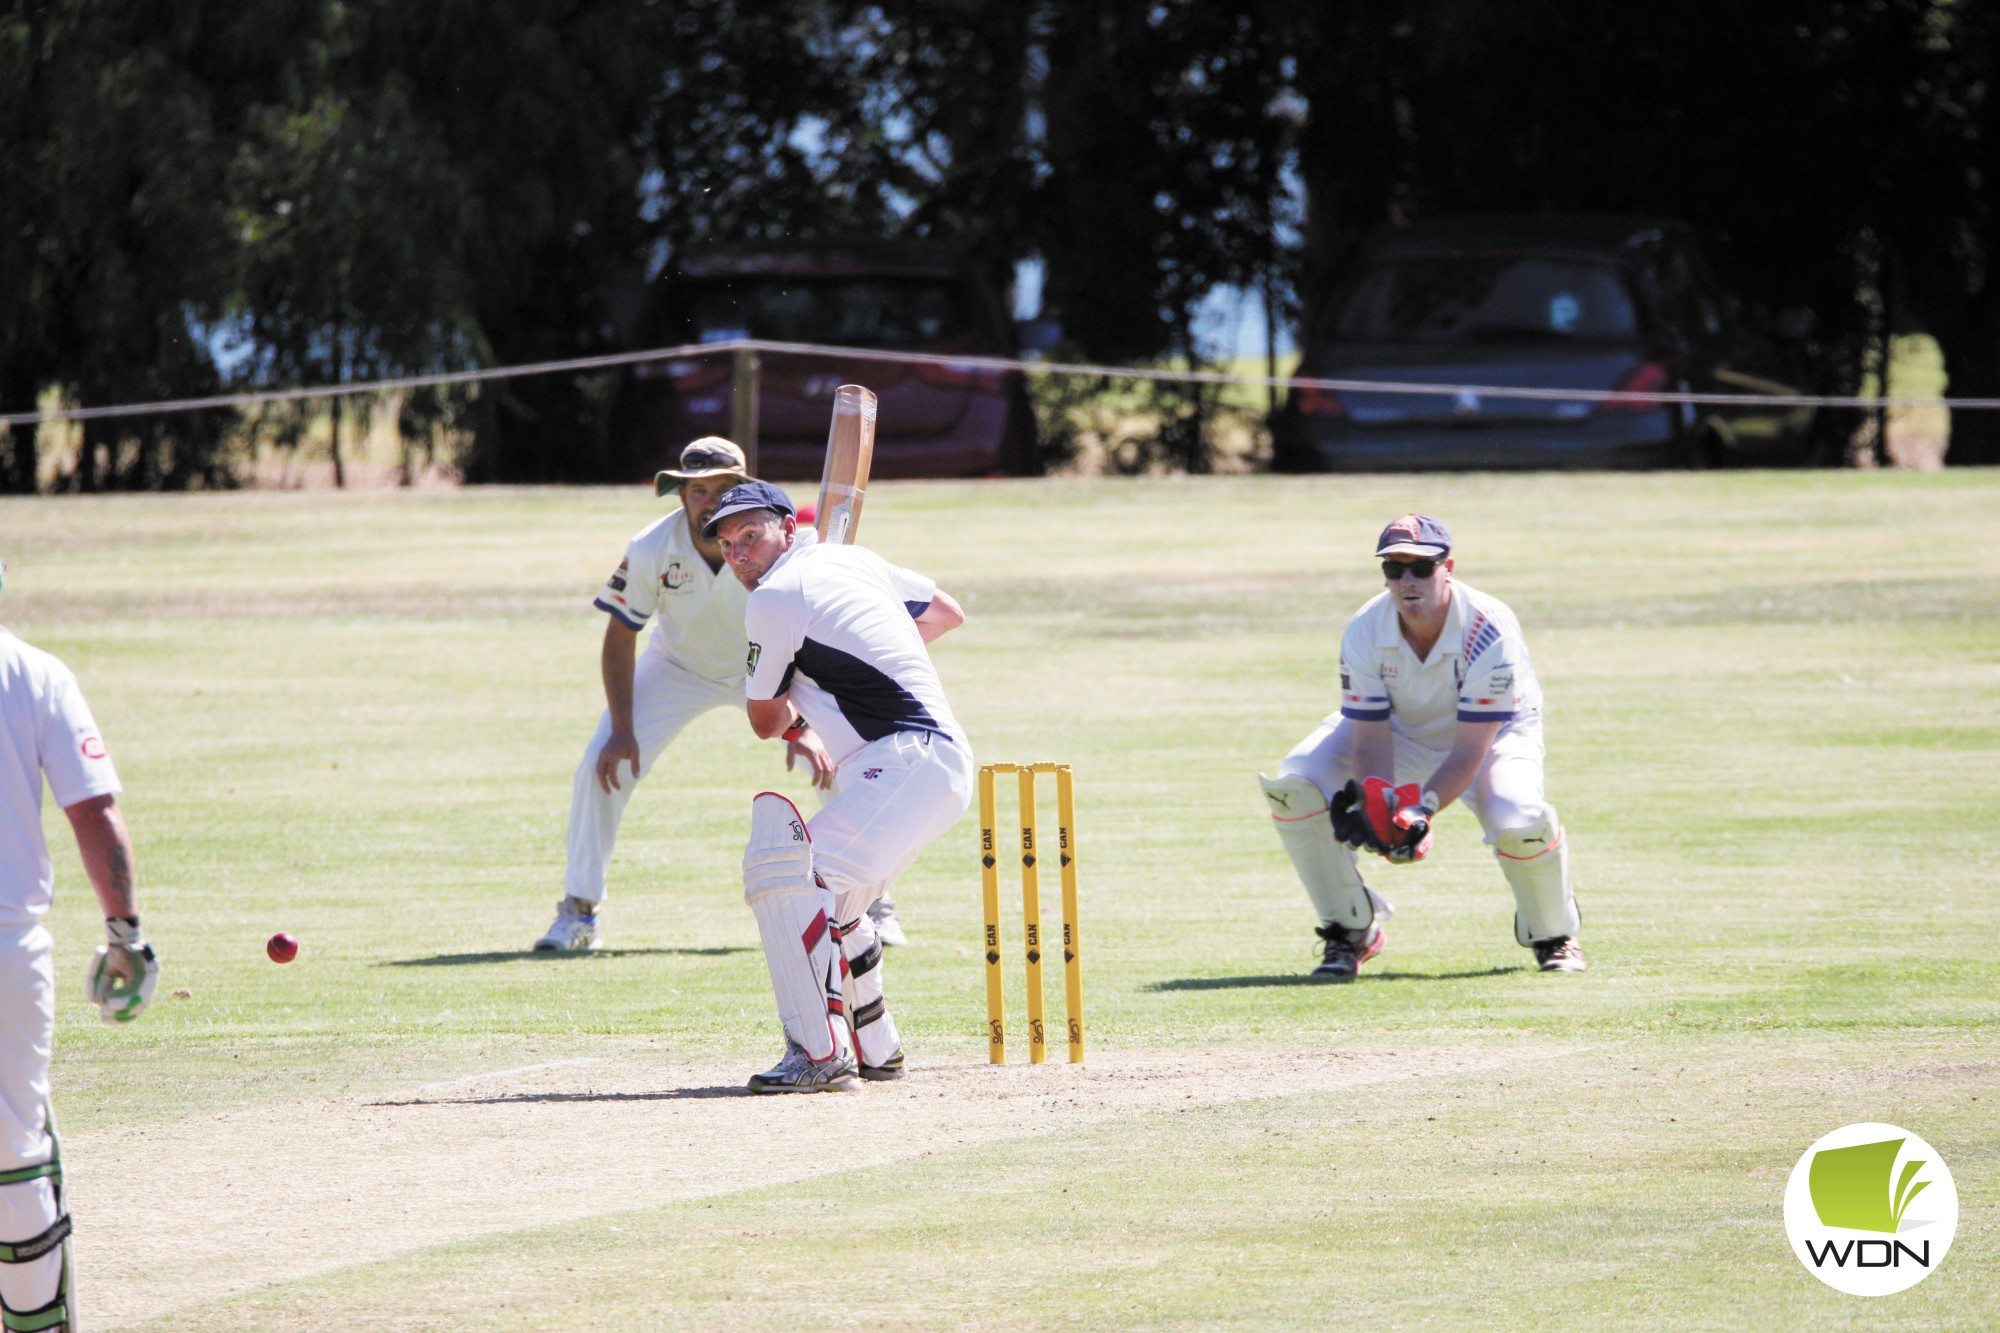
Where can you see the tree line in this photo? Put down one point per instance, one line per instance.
(196, 197)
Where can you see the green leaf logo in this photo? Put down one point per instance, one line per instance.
(1851, 1186)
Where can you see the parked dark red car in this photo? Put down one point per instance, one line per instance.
(935, 420)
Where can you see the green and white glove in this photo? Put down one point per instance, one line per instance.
(123, 972)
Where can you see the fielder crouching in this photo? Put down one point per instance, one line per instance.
(46, 729)
(838, 665)
(1438, 703)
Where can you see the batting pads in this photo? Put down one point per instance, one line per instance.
(795, 919)
(1298, 812)
(1535, 861)
(35, 1270)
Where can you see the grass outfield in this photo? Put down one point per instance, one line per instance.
(1774, 733)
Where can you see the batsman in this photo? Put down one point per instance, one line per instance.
(838, 649)
(1438, 703)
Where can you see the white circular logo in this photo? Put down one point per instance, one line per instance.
(1871, 1209)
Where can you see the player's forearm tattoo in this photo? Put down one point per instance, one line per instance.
(118, 868)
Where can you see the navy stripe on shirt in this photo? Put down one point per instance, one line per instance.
(869, 698)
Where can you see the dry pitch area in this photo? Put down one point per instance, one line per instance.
(1772, 734)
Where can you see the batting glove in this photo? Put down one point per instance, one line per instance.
(123, 972)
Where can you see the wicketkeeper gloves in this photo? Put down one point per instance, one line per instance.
(123, 972)
(1390, 821)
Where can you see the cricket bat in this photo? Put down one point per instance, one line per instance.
(850, 451)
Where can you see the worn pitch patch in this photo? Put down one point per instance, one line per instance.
(178, 1214)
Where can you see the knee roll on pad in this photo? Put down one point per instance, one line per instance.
(778, 857)
(1292, 797)
(1535, 861)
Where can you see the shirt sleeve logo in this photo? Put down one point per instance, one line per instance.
(756, 651)
(93, 747)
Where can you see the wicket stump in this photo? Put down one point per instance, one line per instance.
(1031, 911)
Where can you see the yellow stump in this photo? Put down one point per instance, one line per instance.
(1072, 938)
(1031, 910)
(989, 869)
(1031, 920)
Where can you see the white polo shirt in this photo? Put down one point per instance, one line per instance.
(1477, 671)
(697, 612)
(836, 626)
(45, 727)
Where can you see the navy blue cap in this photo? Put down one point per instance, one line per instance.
(742, 499)
(1415, 534)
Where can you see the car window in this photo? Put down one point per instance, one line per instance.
(854, 312)
(1450, 298)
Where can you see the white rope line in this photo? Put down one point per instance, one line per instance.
(999, 363)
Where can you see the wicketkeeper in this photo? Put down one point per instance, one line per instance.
(1438, 703)
(46, 730)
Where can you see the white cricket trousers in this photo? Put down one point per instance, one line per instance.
(1507, 792)
(896, 796)
(666, 696)
(27, 1036)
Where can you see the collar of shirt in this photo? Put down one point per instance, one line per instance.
(801, 539)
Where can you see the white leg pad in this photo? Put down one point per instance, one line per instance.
(1535, 861)
(796, 921)
(1327, 869)
(34, 1240)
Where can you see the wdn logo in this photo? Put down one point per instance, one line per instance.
(1871, 1209)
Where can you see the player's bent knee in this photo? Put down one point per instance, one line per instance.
(1538, 837)
(1293, 796)
(778, 856)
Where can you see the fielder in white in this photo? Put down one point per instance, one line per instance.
(1438, 703)
(672, 577)
(46, 729)
(837, 650)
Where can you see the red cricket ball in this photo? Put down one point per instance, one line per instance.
(282, 948)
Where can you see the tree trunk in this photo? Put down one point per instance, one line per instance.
(1971, 345)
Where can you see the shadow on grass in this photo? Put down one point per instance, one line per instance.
(1308, 979)
(533, 1098)
(517, 955)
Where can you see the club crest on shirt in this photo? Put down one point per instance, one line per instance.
(677, 575)
(756, 651)
(93, 747)
(1390, 671)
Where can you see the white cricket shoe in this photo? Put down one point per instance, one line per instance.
(888, 929)
(575, 928)
(1561, 954)
(799, 1072)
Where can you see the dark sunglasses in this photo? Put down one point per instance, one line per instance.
(1395, 569)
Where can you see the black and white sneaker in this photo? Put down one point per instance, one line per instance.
(799, 1072)
(888, 1071)
(1346, 950)
(1561, 954)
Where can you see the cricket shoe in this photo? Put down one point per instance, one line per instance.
(799, 1072)
(575, 928)
(1347, 950)
(887, 928)
(1561, 954)
(888, 1071)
